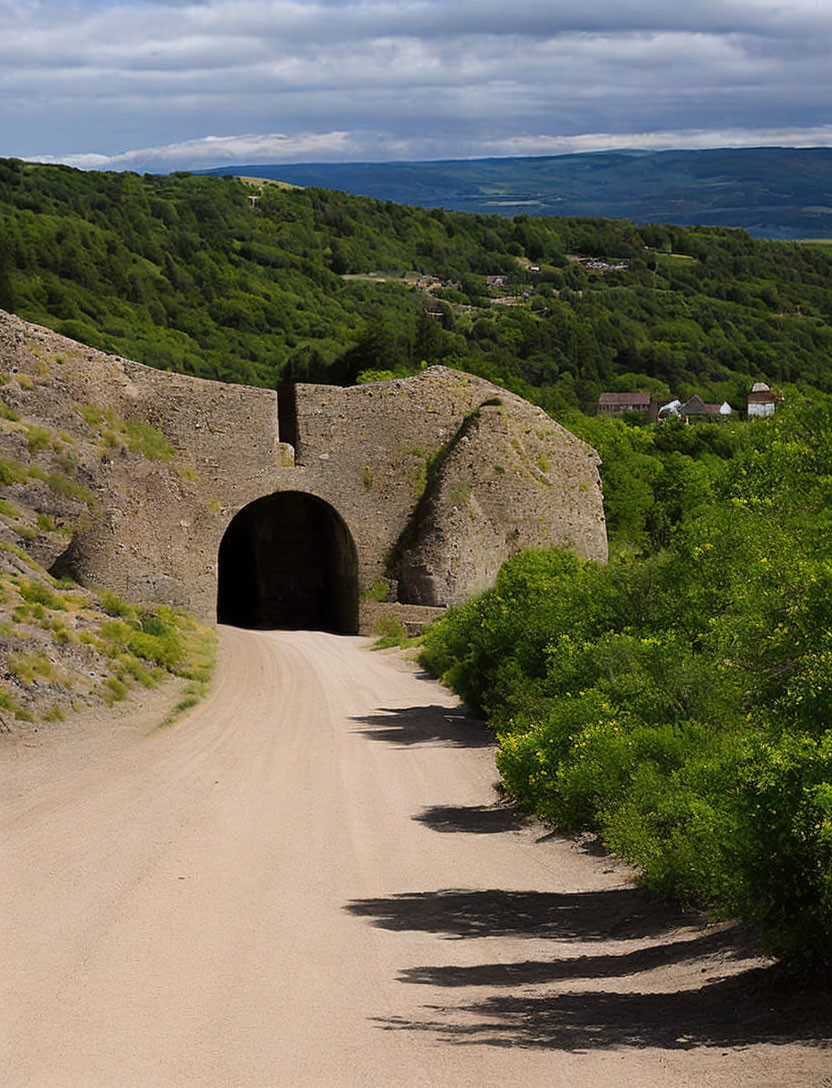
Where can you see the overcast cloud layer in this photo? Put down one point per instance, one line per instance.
(150, 84)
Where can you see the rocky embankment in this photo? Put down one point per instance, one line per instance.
(65, 456)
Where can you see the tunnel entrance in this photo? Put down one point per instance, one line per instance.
(288, 561)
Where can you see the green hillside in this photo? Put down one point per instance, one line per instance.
(675, 701)
(185, 272)
(773, 192)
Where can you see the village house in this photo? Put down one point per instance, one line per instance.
(761, 401)
(615, 404)
(696, 408)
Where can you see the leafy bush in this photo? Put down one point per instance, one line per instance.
(679, 703)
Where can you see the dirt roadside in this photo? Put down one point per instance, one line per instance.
(307, 882)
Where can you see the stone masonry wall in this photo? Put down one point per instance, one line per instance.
(438, 477)
(392, 458)
(160, 522)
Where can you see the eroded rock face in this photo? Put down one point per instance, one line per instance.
(434, 479)
(511, 481)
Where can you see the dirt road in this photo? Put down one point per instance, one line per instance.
(306, 882)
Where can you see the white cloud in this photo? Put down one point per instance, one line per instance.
(443, 74)
(215, 150)
(339, 146)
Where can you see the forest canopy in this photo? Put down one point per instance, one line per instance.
(264, 283)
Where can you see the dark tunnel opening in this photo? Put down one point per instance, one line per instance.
(288, 561)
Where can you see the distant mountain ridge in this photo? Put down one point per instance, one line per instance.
(771, 192)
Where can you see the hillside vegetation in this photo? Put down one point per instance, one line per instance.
(66, 462)
(676, 701)
(182, 272)
(774, 192)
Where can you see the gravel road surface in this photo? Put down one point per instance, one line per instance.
(308, 882)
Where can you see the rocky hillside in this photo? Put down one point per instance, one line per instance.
(63, 647)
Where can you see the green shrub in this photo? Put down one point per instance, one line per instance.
(165, 651)
(116, 635)
(114, 690)
(138, 670)
(679, 703)
(7, 702)
(91, 414)
(144, 438)
(113, 605)
(11, 472)
(380, 591)
(39, 593)
(37, 439)
(391, 631)
(27, 667)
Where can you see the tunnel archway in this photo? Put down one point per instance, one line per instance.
(288, 560)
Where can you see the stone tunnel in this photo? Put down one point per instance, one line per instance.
(288, 561)
(400, 496)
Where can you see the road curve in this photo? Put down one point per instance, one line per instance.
(306, 882)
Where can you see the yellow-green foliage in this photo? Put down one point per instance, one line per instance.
(460, 494)
(137, 434)
(114, 690)
(62, 485)
(157, 641)
(391, 630)
(419, 479)
(35, 593)
(28, 667)
(199, 649)
(138, 670)
(92, 414)
(11, 472)
(15, 549)
(37, 439)
(115, 634)
(144, 438)
(61, 635)
(380, 591)
(113, 605)
(199, 652)
(9, 703)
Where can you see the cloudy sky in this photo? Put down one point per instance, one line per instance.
(166, 84)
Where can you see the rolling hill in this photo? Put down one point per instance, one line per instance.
(771, 192)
